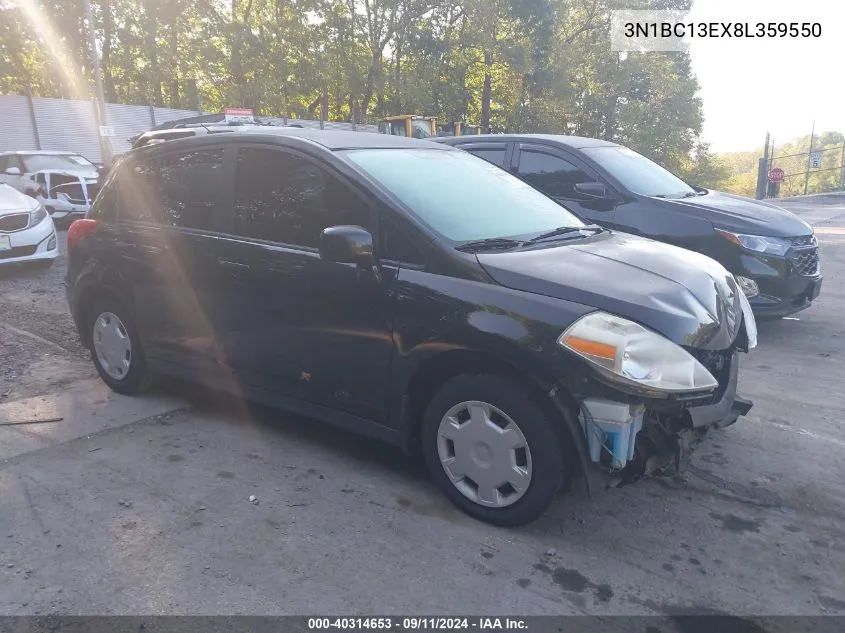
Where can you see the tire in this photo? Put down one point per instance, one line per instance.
(543, 460)
(107, 321)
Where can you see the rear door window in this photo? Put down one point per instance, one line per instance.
(178, 190)
(492, 154)
(551, 174)
(283, 197)
(187, 187)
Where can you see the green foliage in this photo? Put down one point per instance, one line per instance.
(741, 167)
(517, 65)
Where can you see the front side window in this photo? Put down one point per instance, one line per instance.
(637, 173)
(397, 246)
(281, 197)
(495, 155)
(551, 174)
(460, 196)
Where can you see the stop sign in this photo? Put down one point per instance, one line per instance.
(776, 175)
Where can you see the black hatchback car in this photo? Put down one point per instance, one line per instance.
(772, 252)
(414, 293)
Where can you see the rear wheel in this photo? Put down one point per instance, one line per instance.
(116, 348)
(492, 450)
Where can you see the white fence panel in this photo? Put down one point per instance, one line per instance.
(127, 121)
(17, 132)
(68, 125)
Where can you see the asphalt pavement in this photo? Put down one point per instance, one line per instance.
(141, 505)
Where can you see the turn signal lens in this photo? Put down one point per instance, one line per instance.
(590, 348)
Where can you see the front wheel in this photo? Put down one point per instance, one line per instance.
(116, 348)
(495, 453)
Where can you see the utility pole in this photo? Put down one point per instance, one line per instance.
(842, 167)
(809, 158)
(763, 171)
(105, 143)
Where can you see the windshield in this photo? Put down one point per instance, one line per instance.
(462, 197)
(637, 173)
(37, 162)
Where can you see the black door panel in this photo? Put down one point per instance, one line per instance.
(289, 321)
(166, 209)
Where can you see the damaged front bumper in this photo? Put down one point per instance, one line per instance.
(621, 441)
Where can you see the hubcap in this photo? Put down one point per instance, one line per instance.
(112, 345)
(484, 454)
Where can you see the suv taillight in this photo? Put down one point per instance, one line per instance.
(78, 230)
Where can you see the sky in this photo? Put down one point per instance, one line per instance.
(779, 85)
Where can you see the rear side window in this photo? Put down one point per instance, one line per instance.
(551, 174)
(495, 155)
(177, 190)
(106, 201)
(186, 188)
(282, 197)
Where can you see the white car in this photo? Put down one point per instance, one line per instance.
(64, 182)
(27, 233)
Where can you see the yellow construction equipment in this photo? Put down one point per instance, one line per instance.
(458, 128)
(410, 125)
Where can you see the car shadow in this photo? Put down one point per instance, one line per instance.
(315, 433)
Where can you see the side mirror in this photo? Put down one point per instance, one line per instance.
(13, 171)
(591, 189)
(346, 245)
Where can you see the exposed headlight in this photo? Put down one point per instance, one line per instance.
(748, 286)
(37, 217)
(627, 353)
(757, 243)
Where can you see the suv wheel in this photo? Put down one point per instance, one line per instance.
(492, 450)
(116, 348)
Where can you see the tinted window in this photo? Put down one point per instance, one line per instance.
(136, 197)
(495, 155)
(460, 196)
(283, 198)
(187, 188)
(397, 246)
(550, 174)
(175, 190)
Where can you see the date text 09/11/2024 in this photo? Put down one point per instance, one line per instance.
(417, 624)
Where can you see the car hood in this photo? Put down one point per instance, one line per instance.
(13, 201)
(742, 215)
(688, 297)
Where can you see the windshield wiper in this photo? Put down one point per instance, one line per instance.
(491, 243)
(562, 231)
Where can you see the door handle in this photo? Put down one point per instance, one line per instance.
(234, 267)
